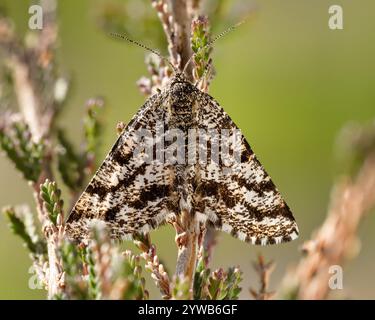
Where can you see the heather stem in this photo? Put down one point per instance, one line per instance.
(182, 18)
(187, 229)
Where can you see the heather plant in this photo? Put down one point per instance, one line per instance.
(34, 93)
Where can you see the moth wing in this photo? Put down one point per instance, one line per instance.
(128, 193)
(241, 200)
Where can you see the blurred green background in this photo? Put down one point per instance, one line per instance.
(286, 79)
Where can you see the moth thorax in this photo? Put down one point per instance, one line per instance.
(182, 100)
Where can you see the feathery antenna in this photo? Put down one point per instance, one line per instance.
(209, 44)
(141, 45)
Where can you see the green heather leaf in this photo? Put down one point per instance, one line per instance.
(20, 228)
(50, 195)
(16, 142)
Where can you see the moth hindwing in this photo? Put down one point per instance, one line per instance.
(181, 151)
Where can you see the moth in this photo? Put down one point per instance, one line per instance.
(136, 191)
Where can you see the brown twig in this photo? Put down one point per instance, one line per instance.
(55, 236)
(176, 17)
(187, 234)
(183, 18)
(163, 10)
(264, 271)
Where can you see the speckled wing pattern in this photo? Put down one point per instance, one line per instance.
(133, 196)
(243, 202)
(127, 193)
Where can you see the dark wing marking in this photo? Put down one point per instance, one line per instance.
(127, 193)
(242, 201)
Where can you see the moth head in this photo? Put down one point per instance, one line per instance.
(178, 77)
